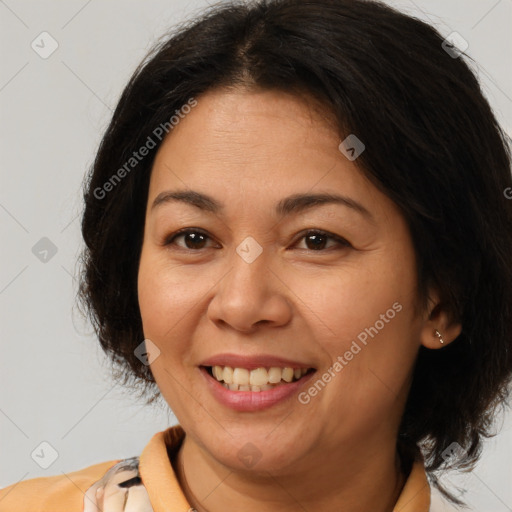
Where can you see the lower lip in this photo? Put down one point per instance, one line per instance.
(253, 400)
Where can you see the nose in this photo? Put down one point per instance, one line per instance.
(250, 294)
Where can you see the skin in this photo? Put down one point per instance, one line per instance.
(249, 150)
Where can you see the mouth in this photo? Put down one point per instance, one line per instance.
(256, 379)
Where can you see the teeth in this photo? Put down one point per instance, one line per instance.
(217, 372)
(288, 374)
(240, 376)
(227, 374)
(258, 379)
(274, 375)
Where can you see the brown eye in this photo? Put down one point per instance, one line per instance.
(194, 239)
(317, 240)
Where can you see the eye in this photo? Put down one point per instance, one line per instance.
(317, 240)
(194, 238)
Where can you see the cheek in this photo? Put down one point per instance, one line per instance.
(168, 297)
(365, 321)
(370, 372)
(166, 293)
(355, 302)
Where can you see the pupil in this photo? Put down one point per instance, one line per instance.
(195, 238)
(318, 241)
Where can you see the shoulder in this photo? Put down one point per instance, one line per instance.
(84, 490)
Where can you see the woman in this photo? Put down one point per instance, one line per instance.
(298, 232)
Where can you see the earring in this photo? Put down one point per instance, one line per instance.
(438, 334)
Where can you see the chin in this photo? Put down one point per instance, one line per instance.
(258, 449)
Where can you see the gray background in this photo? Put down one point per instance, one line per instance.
(54, 381)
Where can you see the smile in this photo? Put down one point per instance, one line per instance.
(257, 379)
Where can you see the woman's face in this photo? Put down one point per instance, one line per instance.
(254, 285)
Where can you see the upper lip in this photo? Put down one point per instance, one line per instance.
(252, 362)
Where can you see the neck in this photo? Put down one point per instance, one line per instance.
(359, 482)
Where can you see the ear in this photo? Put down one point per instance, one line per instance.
(438, 317)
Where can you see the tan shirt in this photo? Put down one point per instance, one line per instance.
(145, 484)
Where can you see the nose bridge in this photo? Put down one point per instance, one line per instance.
(249, 293)
(249, 272)
(250, 250)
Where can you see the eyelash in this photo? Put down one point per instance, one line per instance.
(341, 241)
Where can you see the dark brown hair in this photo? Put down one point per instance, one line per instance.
(432, 145)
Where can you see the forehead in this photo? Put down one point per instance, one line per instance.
(250, 150)
(239, 122)
(262, 140)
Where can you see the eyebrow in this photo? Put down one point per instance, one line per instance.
(295, 203)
